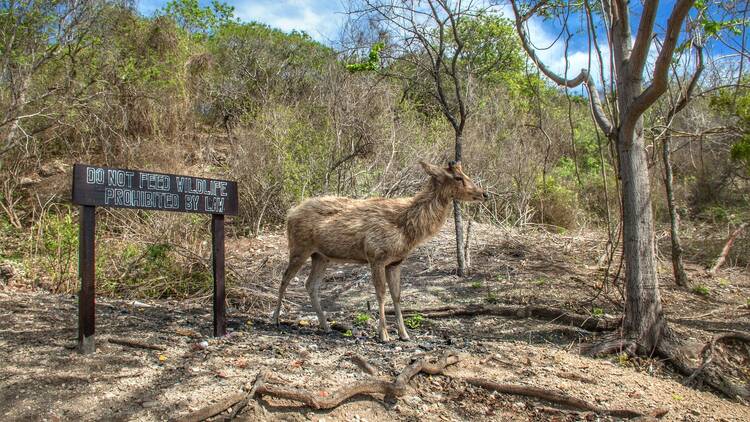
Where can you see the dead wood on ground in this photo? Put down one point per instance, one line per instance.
(727, 247)
(137, 344)
(213, 409)
(548, 313)
(264, 386)
(558, 398)
(364, 365)
(395, 388)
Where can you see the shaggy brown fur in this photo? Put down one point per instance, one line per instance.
(380, 232)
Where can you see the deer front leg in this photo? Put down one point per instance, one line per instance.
(393, 275)
(378, 279)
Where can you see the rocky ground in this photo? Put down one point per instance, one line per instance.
(42, 378)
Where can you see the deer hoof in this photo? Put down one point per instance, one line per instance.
(404, 337)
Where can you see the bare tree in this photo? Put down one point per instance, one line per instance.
(644, 325)
(425, 48)
(28, 28)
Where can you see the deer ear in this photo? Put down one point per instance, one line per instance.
(433, 170)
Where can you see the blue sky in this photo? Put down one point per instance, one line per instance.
(322, 19)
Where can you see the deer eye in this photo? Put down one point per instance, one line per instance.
(458, 178)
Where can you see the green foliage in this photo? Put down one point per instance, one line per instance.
(492, 298)
(701, 290)
(492, 51)
(372, 62)
(597, 312)
(414, 321)
(476, 284)
(198, 20)
(347, 333)
(361, 319)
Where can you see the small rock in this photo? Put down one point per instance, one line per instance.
(426, 346)
(149, 404)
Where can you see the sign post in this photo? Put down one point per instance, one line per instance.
(121, 188)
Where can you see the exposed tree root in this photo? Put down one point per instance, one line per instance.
(562, 316)
(705, 373)
(397, 388)
(394, 388)
(669, 347)
(612, 344)
(558, 398)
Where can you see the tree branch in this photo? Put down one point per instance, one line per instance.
(643, 37)
(584, 77)
(661, 69)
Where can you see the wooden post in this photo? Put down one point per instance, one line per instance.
(86, 272)
(217, 240)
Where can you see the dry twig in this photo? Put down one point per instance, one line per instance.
(562, 316)
(136, 344)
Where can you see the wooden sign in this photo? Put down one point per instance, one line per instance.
(121, 188)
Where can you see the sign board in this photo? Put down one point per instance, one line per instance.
(95, 186)
(122, 188)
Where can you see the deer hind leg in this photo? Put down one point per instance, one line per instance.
(378, 279)
(319, 264)
(393, 276)
(296, 260)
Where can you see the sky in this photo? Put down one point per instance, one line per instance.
(322, 19)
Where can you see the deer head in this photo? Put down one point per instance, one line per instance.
(457, 184)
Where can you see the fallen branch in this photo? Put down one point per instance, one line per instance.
(213, 409)
(136, 344)
(558, 398)
(727, 247)
(551, 314)
(396, 388)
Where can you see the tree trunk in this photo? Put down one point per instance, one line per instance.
(460, 257)
(680, 277)
(644, 320)
(461, 269)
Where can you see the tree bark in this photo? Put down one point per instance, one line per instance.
(644, 320)
(457, 218)
(680, 277)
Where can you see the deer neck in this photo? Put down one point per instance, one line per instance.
(426, 213)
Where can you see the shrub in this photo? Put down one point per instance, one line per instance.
(701, 290)
(414, 321)
(361, 319)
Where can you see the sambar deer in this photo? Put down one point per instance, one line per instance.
(380, 232)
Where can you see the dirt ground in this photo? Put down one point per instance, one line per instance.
(42, 378)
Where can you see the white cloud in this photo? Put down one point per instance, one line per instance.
(317, 18)
(551, 49)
